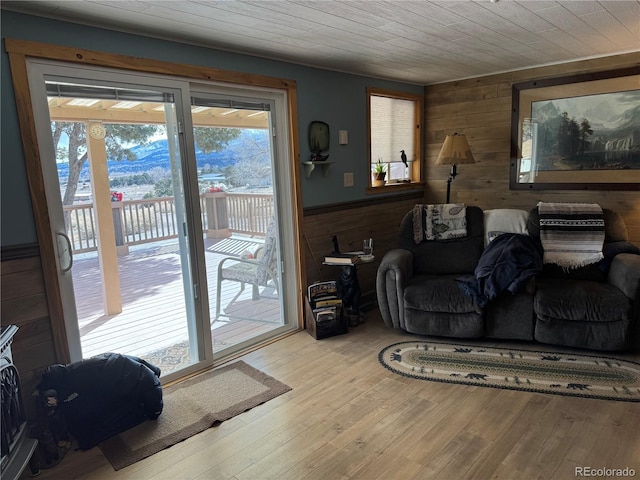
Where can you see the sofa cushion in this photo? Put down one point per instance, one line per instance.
(504, 220)
(593, 272)
(579, 300)
(438, 294)
(456, 255)
(457, 325)
(592, 335)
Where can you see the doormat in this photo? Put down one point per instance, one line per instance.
(589, 376)
(191, 407)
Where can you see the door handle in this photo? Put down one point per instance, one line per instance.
(64, 250)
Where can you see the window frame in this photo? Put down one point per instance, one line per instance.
(417, 178)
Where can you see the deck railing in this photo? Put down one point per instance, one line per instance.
(250, 213)
(154, 219)
(80, 227)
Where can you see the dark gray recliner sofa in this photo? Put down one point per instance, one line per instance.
(418, 292)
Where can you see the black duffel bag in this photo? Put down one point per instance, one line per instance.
(104, 395)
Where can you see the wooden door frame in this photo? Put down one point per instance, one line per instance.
(19, 51)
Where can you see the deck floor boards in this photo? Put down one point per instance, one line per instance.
(153, 316)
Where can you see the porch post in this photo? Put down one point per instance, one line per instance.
(107, 253)
(121, 243)
(217, 215)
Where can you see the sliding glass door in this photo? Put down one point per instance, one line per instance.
(165, 210)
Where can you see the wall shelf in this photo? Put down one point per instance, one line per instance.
(310, 166)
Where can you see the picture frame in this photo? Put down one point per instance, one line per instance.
(579, 132)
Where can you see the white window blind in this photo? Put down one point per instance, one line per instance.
(393, 128)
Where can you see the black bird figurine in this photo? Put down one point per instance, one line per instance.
(403, 157)
(318, 157)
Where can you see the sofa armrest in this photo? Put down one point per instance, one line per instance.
(625, 274)
(394, 272)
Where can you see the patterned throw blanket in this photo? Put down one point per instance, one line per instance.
(572, 234)
(439, 222)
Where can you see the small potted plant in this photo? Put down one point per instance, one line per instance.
(379, 173)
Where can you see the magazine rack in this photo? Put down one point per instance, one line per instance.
(324, 329)
(324, 313)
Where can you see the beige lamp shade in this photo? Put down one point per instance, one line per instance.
(455, 151)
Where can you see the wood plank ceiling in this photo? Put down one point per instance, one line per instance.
(422, 42)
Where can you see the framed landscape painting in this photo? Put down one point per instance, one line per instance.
(577, 132)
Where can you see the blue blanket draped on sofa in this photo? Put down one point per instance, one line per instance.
(505, 265)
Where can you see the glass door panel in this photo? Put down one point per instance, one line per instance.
(115, 187)
(124, 208)
(235, 161)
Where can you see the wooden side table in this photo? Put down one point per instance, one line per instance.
(349, 289)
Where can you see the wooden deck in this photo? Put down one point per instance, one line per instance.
(153, 322)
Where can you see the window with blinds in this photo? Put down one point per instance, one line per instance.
(394, 128)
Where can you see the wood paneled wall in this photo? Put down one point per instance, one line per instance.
(24, 304)
(481, 109)
(24, 301)
(352, 223)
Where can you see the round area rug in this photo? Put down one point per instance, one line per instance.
(589, 376)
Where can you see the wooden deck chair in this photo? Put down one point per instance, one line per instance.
(260, 271)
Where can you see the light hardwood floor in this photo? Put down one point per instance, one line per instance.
(347, 417)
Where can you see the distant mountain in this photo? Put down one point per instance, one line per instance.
(613, 128)
(544, 111)
(624, 137)
(250, 143)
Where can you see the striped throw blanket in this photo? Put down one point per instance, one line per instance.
(439, 222)
(572, 234)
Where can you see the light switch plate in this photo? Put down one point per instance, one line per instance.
(348, 179)
(343, 137)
